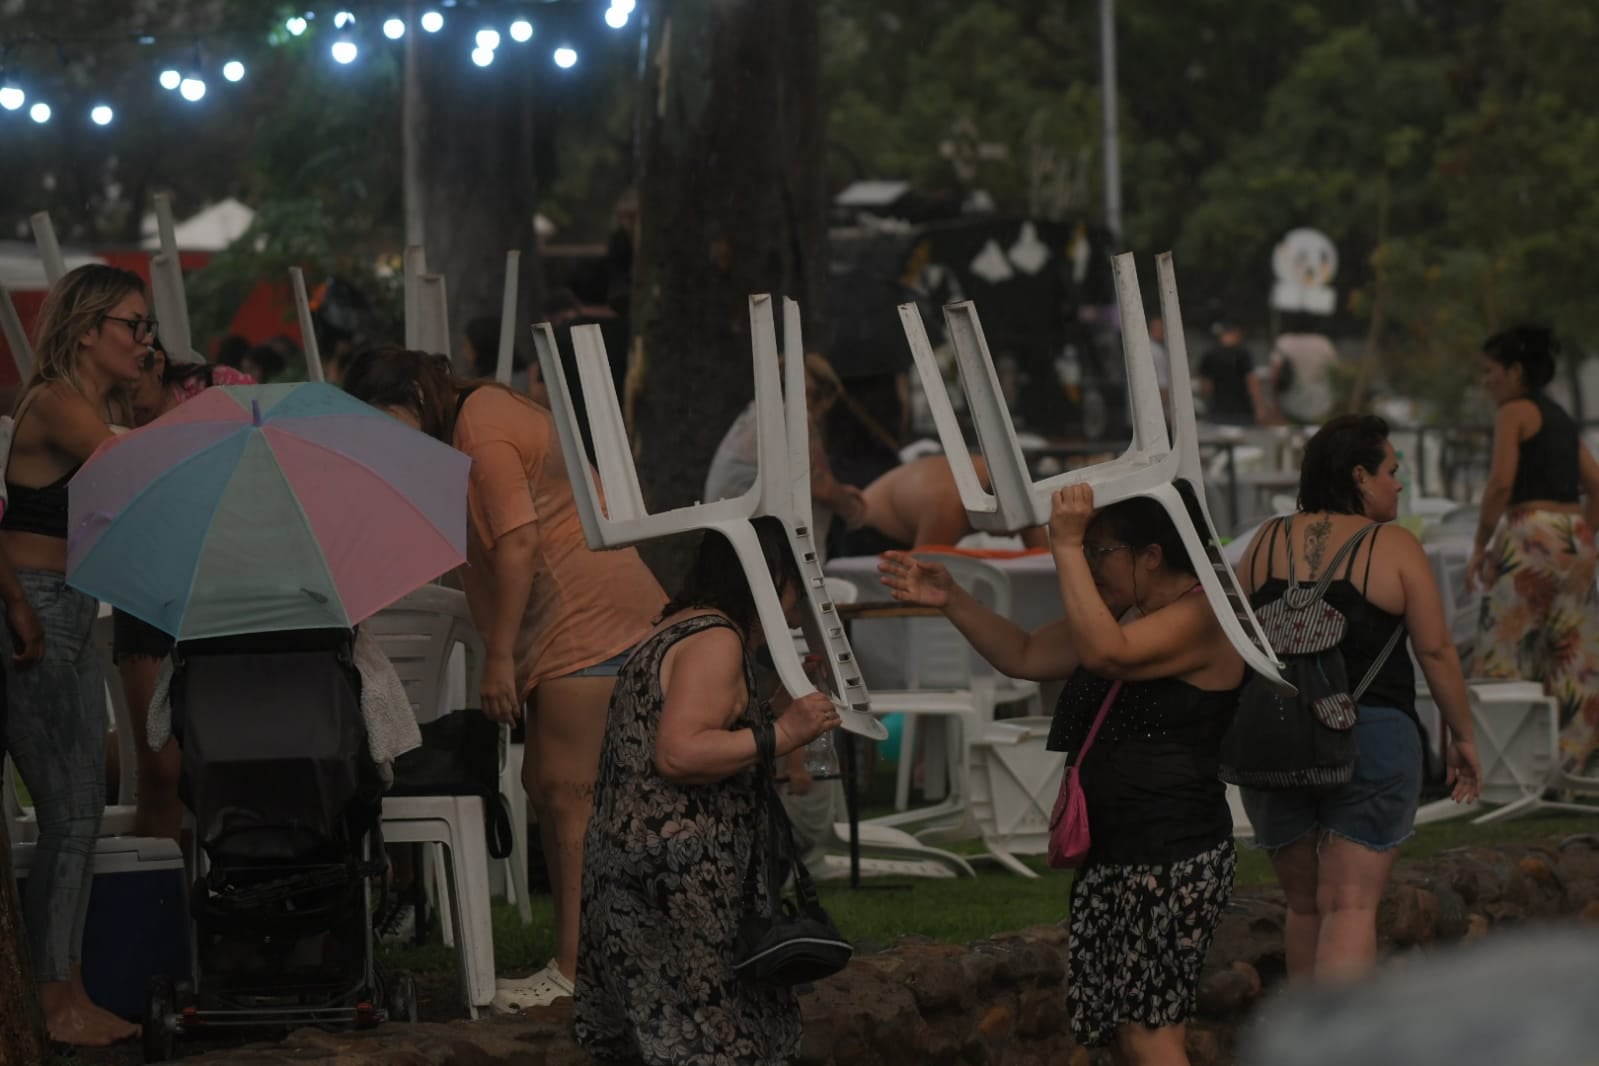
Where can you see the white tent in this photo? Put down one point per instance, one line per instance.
(212, 230)
(21, 269)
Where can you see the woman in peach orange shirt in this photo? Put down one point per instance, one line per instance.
(557, 619)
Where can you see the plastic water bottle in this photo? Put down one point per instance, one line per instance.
(821, 756)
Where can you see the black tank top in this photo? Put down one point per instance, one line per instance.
(1369, 628)
(41, 510)
(1546, 462)
(1150, 779)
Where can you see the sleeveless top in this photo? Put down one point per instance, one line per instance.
(1150, 779)
(1547, 461)
(1369, 628)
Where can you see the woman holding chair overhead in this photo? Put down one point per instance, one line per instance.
(1146, 903)
(1535, 542)
(557, 619)
(93, 335)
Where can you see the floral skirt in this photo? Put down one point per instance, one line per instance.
(1139, 936)
(1540, 621)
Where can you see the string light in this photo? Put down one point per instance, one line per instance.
(342, 48)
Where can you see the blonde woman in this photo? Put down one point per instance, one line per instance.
(93, 335)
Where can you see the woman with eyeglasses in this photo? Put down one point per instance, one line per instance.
(93, 333)
(1146, 902)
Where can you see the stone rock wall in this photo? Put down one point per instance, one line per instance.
(1001, 1001)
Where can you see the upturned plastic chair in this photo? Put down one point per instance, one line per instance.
(613, 512)
(417, 634)
(1151, 466)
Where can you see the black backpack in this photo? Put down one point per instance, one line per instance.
(1304, 740)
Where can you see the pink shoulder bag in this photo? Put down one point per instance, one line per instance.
(1068, 823)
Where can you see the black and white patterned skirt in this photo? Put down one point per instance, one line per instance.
(1139, 936)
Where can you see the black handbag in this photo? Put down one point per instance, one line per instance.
(789, 942)
(460, 756)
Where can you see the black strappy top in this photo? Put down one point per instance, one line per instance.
(1547, 462)
(40, 510)
(1151, 781)
(1368, 630)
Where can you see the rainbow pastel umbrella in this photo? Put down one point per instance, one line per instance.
(261, 508)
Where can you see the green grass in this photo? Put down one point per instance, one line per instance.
(960, 911)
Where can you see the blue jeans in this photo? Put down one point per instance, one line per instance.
(1376, 808)
(56, 732)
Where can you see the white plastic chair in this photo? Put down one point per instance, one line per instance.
(946, 679)
(1151, 466)
(612, 507)
(418, 634)
(1518, 741)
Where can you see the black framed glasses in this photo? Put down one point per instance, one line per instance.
(142, 328)
(1096, 554)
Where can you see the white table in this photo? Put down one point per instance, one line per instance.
(880, 644)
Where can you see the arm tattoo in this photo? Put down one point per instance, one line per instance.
(1316, 543)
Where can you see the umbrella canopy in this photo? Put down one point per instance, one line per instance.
(258, 508)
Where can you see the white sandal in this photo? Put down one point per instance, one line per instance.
(538, 990)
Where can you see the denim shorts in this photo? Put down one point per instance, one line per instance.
(609, 668)
(1376, 808)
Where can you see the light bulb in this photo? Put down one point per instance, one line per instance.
(565, 57)
(101, 115)
(233, 70)
(344, 51)
(342, 19)
(12, 97)
(624, 6)
(192, 88)
(40, 112)
(489, 39)
(521, 31)
(394, 29)
(295, 25)
(432, 21)
(615, 18)
(170, 79)
(482, 56)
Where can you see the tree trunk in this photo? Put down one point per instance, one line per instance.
(731, 202)
(473, 135)
(21, 1027)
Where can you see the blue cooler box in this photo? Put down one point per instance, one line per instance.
(138, 925)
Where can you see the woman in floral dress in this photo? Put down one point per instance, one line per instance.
(674, 827)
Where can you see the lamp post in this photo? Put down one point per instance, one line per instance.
(1107, 95)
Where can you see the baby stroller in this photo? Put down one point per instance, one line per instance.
(287, 810)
